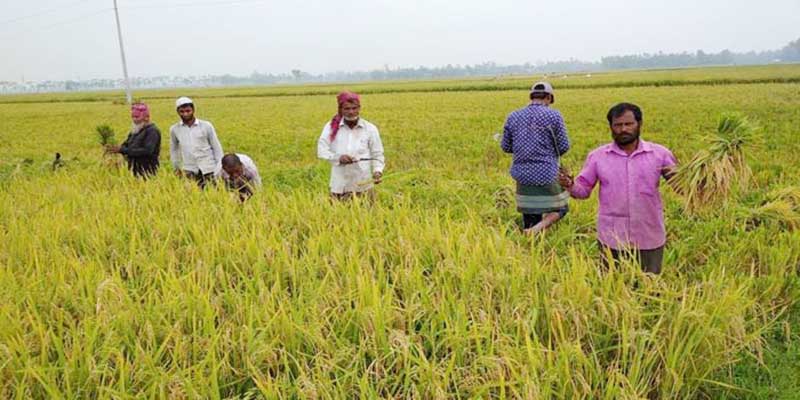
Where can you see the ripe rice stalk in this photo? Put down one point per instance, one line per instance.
(503, 197)
(707, 179)
(782, 208)
(790, 194)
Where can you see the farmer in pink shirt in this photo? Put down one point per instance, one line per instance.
(630, 219)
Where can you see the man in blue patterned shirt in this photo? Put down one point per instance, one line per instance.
(537, 138)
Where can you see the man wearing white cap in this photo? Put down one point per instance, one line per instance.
(536, 136)
(194, 149)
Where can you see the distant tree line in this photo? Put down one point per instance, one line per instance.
(788, 54)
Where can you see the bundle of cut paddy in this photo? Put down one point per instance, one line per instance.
(709, 176)
(782, 207)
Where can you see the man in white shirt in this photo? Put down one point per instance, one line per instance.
(194, 149)
(240, 174)
(353, 147)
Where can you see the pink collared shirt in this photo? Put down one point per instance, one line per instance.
(630, 213)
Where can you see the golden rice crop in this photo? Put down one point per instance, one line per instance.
(111, 287)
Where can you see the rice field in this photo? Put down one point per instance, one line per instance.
(111, 287)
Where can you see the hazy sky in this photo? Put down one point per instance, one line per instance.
(72, 39)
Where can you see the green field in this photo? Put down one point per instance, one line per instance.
(115, 288)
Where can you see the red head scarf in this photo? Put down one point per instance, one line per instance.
(140, 110)
(344, 97)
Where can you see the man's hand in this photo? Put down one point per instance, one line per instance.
(179, 173)
(377, 177)
(669, 171)
(111, 149)
(238, 183)
(345, 159)
(565, 179)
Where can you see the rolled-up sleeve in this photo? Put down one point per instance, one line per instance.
(174, 149)
(584, 183)
(324, 146)
(216, 149)
(376, 152)
(668, 159)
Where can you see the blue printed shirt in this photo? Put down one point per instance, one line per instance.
(536, 136)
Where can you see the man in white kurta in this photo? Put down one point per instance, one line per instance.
(194, 148)
(353, 147)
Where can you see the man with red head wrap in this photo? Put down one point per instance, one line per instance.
(143, 144)
(353, 147)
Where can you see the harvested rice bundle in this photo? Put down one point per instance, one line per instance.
(709, 176)
(782, 207)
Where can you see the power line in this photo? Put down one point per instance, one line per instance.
(60, 23)
(43, 12)
(161, 5)
(197, 4)
(104, 10)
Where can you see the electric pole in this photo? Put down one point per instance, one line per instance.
(122, 53)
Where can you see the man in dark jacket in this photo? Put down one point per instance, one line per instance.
(143, 144)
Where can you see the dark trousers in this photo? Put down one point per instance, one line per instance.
(650, 260)
(201, 178)
(143, 168)
(529, 220)
(368, 195)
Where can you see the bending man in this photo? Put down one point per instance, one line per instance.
(537, 138)
(240, 174)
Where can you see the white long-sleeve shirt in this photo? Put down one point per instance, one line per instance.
(361, 142)
(249, 171)
(195, 148)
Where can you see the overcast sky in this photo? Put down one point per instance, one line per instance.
(76, 39)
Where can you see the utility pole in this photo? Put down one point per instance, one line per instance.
(122, 53)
